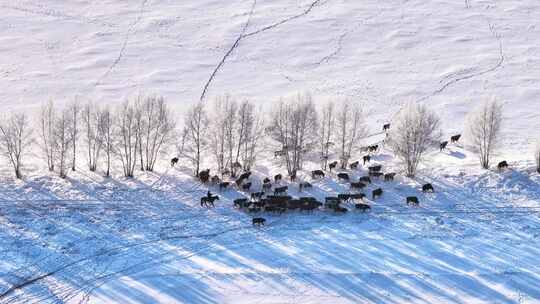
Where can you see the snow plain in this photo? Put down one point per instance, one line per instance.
(93, 240)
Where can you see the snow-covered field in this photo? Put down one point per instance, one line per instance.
(87, 239)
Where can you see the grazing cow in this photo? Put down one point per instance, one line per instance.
(357, 196)
(277, 177)
(266, 180)
(304, 185)
(340, 209)
(354, 165)
(344, 197)
(455, 138)
(357, 185)
(412, 200)
(427, 188)
(386, 127)
(274, 209)
(241, 203)
(389, 176)
(308, 207)
(332, 165)
(215, 179)
(373, 148)
(257, 195)
(376, 168)
(363, 207)
(204, 176)
(245, 175)
(375, 174)
(246, 186)
(239, 182)
(260, 204)
(366, 159)
(376, 193)
(502, 165)
(294, 204)
(279, 153)
(174, 161)
(258, 221)
(365, 179)
(331, 202)
(317, 173)
(279, 190)
(208, 201)
(443, 145)
(223, 185)
(266, 186)
(343, 176)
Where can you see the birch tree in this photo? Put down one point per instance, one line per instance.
(483, 128)
(416, 129)
(127, 137)
(326, 132)
(63, 141)
(193, 140)
(350, 127)
(250, 132)
(46, 120)
(106, 136)
(92, 134)
(221, 131)
(74, 109)
(15, 138)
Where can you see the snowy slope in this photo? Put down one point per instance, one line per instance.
(450, 54)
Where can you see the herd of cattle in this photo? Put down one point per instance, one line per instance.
(273, 195)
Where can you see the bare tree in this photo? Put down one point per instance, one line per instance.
(94, 142)
(16, 137)
(155, 125)
(47, 119)
(221, 132)
(415, 129)
(294, 126)
(194, 133)
(326, 132)
(106, 136)
(74, 109)
(350, 127)
(127, 137)
(252, 127)
(63, 141)
(483, 127)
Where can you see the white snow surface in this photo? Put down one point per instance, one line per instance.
(88, 239)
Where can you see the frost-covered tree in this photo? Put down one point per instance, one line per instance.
(250, 133)
(483, 128)
(415, 129)
(15, 139)
(193, 140)
(294, 126)
(74, 109)
(92, 135)
(47, 118)
(326, 132)
(127, 137)
(106, 138)
(221, 131)
(63, 141)
(537, 156)
(350, 127)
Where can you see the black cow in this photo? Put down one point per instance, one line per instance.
(502, 165)
(279, 153)
(317, 173)
(245, 175)
(174, 161)
(376, 193)
(239, 182)
(304, 185)
(292, 177)
(258, 221)
(443, 145)
(279, 190)
(215, 179)
(363, 207)
(357, 196)
(241, 203)
(412, 200)
(343, 176)
(332, 165)
(389, 176)
(373, 148)
(365, 179)
(266, 186)
(208, 201)
(266, 180)
(386, 127)
(223, 185)
(455, 138)
(246, 186)
(344, 196)
(274, 209)
(204, 176)
(332, 202)
(277, 177)
(366, 159)
(376, 168)
(340, 209)
(354, 165)
(427, 188)
(357, 185)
